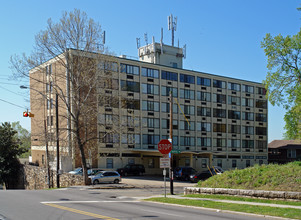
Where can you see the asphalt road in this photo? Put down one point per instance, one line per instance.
(97, 202)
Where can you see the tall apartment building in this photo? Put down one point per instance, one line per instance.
(217, 120)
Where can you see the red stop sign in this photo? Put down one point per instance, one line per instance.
(164, 146)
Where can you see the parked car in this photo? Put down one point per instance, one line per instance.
(77, 171)
(132, 169)
(106, 177)
(183, 173)
(205, 174)
(93, 171)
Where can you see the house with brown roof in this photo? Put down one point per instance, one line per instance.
(284, 151)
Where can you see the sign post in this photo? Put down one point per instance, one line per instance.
(164, 146)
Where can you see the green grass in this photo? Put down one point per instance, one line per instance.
(262, 210)
(265, 177)
(245, 199)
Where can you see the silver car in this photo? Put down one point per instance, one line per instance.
(106, 177)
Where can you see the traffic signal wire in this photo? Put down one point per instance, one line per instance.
(12, 103)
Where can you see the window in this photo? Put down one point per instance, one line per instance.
(49, 69)
(165, 124)
(150, 139)
(248, 116)
(219, 98)
(219, 163)
(50, 120)
(247, 130)
(261, 117)
(107, 119)
(203, 111)
(204, 163)
(186, 94)
(151, 122)
(203, 126)
(203, 81)
(247, 102)
(151, 163)
(261, 91)
(248, 144)
(49, 103)
(129, 69)
(150, 106)
(219, 113)
(187, 78)
(233, 86)
(291, 153)
(108, 83)
(261, 131)
(185, 126)
(219, 128)
(233, 100)
(234, 129)
(187, 141)
(219, 84)
(187, 109)
(108, 101)
(107, 65)
(261, 103)
(129, 86)
(105, 137)
(130, 138)
(110, 163)
(166, 90)
(248, 163)
(165, 107)
(233, 114)
(203, 96)
(150, 72)
(169, 76)
(130, 104)
(219, 142)
(174, 139)
(233, 163)
(204, 142)
(150, 89)
(248, 89)
(233, 143)
(187, 162)
(261, 145)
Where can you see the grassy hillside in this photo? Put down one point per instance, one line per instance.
(265, 177)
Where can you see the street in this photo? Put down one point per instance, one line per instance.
(96, 203)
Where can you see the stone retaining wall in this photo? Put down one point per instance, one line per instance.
(35, 177)
(243, 192)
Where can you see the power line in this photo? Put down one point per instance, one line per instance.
(11, 91)
(12, 103)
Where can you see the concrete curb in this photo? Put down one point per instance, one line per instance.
(244, 192)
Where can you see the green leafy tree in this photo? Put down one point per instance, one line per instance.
(283, 80)
(9, 151)
(24, 136)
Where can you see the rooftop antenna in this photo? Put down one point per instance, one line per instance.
(172, 25)
(138, 42)
(184, 51)
(161, 41)
(145, 38)
(104, 37)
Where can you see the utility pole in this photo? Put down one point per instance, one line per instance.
(47, 155)
(57, 142)
(170, 140)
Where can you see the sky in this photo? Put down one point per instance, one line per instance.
(222, 38)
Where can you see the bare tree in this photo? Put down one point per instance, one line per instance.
(65, 62)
